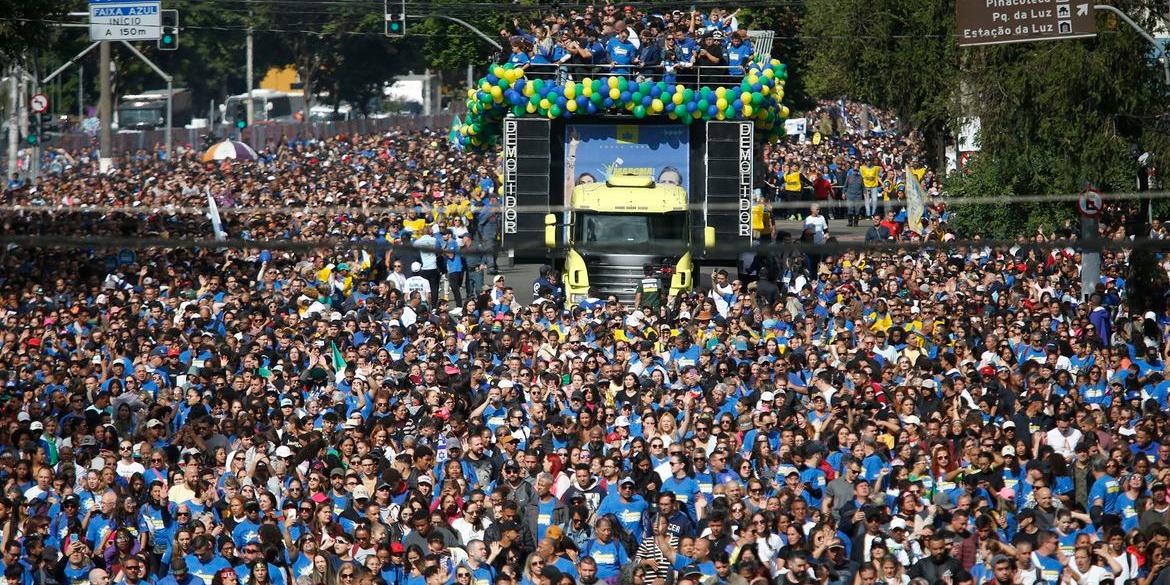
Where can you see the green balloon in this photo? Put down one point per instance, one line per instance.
(596, 97)
(684, 117)
(518, 110)
(503, 84)
(639, 111)
(596, 85)
(644, 88)
(623, 85)
(538, 84)
(705, 93)
(688, 95)
(636, 97)
(729, 113)
(757, 98)
(555, 111)
(534, 99)
(702, 105)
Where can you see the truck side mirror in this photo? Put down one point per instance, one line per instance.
(550, 230)
(709, 237)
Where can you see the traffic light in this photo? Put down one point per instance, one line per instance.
(168, 38)
(241, 115)
(32, 138)
(395, 18)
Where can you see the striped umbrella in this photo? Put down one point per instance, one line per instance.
(229, 149)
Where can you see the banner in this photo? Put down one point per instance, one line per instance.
(594, 151)
(915, 202)
(216, 221)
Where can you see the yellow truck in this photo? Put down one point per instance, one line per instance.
(612, 230)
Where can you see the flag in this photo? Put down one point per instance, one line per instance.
(453, 136)
(339, 364)
(626, 134)
(216, 221)
(915, 202)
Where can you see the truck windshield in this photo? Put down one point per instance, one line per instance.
(141, 117)
(626, 228)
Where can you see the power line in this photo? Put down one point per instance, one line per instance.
(949, 202)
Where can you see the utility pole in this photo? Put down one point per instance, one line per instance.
(248, 73)
(105, 109)
(13, 120)
(81, 93)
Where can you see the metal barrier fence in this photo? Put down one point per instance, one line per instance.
(259, 136)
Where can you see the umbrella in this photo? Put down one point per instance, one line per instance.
(229, 149)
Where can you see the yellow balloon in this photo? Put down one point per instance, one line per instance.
(587, 82)
(746, 97)
(753, 80)
(571, 105)
(544, 103)
(783, 111)
(587, 90)
(612, 81)
(570, 91)
(496, 91)
(498, 71)
(747, 110)
(677, 98)
(614, 93)
(656, 105)
(463, 130)
(779, 94)
(529, 90)
(531, 109)
(721, 92)
(679, 89)
(765, 90)
(721, 104)
(769, 73)
(471, 93)
(775, 62)
(719, 116)
(485, 86)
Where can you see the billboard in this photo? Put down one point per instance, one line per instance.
(594, 151)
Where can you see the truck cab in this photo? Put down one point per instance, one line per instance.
(612, 230)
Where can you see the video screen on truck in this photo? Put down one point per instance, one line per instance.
(593, 151)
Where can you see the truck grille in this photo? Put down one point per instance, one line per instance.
(617, 275)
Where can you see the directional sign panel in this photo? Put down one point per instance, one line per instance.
(994, 22)
(124, 20)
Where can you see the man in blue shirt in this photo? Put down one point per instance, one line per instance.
(626, 505)
(621, 52)
(738, 53)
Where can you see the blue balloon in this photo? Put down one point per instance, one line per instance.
(566, 114)
(737, 104)
(712, 110)
(669, 107)
(691, 107)
(561, 101)
(608, 102)
(647, 100)
(581, 101)
(756, 87)
(589, 107)
(481, 96)
(492, 79)
(625, 97)
(655, 91)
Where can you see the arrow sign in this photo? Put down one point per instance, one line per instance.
(1082, 9)
(39, 103)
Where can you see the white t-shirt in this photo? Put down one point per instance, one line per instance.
(819, 226)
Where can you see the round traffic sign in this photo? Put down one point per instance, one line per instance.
(1090, 203)
(39, 103)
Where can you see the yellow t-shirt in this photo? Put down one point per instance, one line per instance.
(415, 225)
(870, 176)
(792, 181)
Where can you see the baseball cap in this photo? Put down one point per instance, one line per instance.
(283, 452)
(912, 420)
(1008, 451)
(621, 421)
(897, 523)
(626, 480)
(361, 493)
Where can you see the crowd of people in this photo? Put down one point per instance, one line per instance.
(628, 40)
(264, 416)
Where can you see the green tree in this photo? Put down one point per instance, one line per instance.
(27, 23)
(896, 54)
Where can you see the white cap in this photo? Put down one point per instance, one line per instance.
(416, 267)
(912, 420)
(767, 397)
(283, 452)
(897, 523)
(1008, 451)
(505, 384)
(621, 421)
(23, 417)
(36, 426)
(929, 383)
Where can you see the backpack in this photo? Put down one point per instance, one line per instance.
(622, 535)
